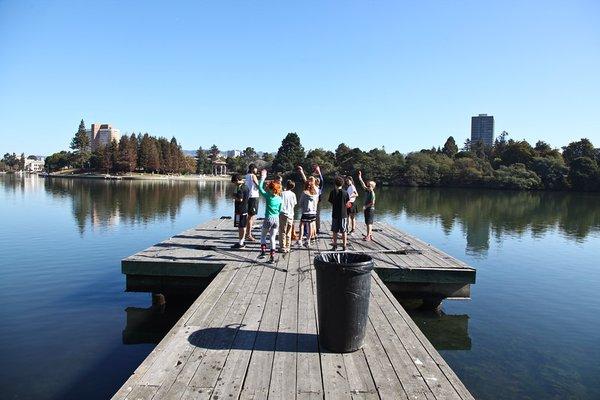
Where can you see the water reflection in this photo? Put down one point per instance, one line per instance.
(151, 324)
(106, 203)
(445, 332)
(482, 214)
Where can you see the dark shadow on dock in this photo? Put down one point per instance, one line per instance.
(225, 338)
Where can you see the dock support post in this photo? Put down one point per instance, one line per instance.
(432, 303)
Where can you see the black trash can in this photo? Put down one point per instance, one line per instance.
(343, 290)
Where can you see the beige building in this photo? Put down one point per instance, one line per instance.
(34, 164)
(102, 135)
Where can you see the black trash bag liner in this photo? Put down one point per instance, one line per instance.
(343, 291)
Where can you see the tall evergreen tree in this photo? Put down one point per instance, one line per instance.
(81, 146)
(113, 154)
(144, 152)
(177, 156)
(214, 152)
(123, 164)
(289, 155)
(202, 162)
(450, 148)
(166, 158)
(132, 152)
(248, 156)
(153, 155)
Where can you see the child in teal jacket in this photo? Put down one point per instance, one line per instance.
(272, 195)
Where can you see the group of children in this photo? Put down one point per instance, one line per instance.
(281, 203)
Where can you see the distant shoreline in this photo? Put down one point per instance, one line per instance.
(142, 177)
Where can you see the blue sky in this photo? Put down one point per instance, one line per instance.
(404, 75)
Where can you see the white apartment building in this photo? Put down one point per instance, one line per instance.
(34, 164)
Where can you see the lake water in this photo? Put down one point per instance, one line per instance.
(69, 331)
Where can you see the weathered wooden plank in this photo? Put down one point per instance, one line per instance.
(183, 350)
(191, 354)
(360, 380)
(213, 360)
(142, 392)
(309, 379)
(206, 302)
(418, 344)
(230, 381)
(258, 376)
(283, 372)
(412, 381)
(386, 381)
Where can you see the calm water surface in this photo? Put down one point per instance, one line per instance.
(68, 330)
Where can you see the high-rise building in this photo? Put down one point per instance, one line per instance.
(102, 135)
(482, 129)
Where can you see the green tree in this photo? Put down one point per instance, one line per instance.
(235, 165)
(450, 148)
(516, 176)
(11, 160)
(22, 162)
(153, 156)
(584, 174)
(468, 171)
(179, 163)
(268, 157)
(202, 162)
(289, 155)
(478, 148)
(122, 164)
(499, 145)
(132, 152)
(325, 159)
(166, 157)
(517, 152)
(57, 161)
(581, 148)
(248, 156)
(149, 154)
(552, 171)
(80, 144)
(214, 152)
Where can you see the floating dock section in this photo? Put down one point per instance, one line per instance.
(253, 331)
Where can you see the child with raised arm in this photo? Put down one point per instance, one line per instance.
(319, 183)
(339, 200)
(369, 207)
(240, 219)
(353, 209)
(308, 204)
(272, 195)
(286, 217)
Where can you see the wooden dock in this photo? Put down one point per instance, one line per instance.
(410, 267)
(253, 332)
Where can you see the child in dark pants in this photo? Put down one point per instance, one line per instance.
(240, 219)
(339, 200)
(369, 205)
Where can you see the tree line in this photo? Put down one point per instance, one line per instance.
(12, 162)
(141, 152)
(508, 163)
